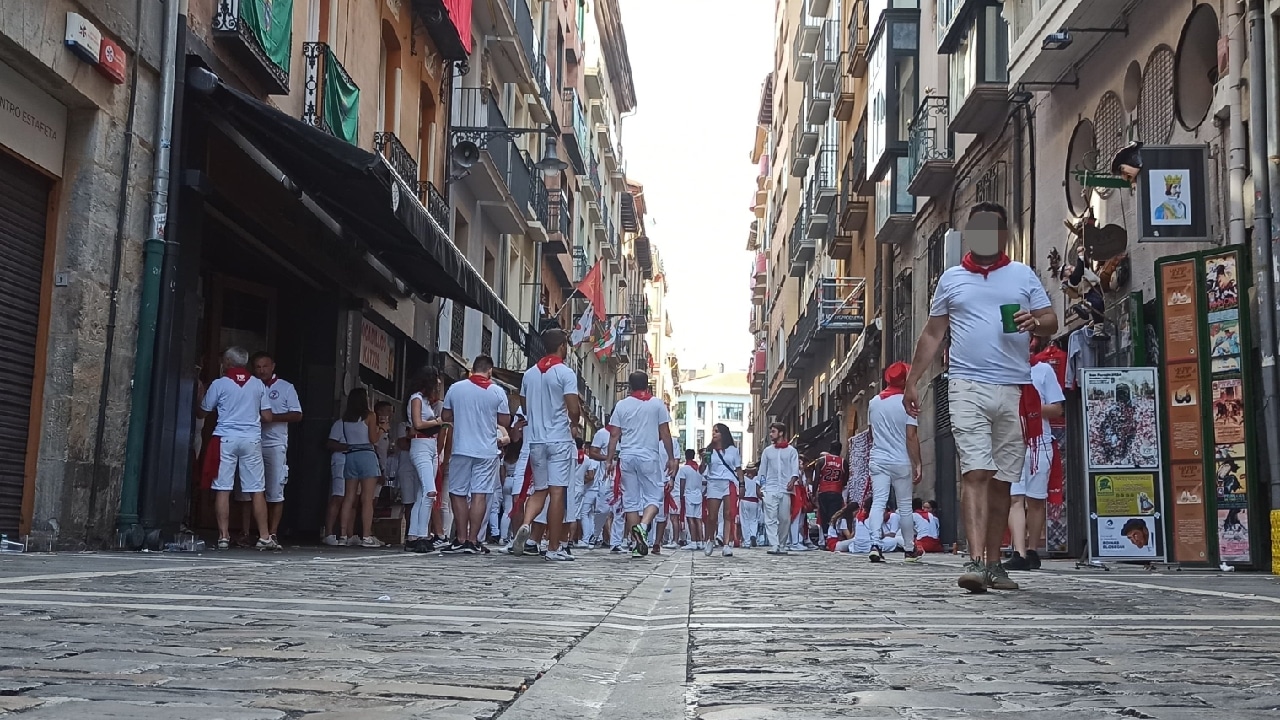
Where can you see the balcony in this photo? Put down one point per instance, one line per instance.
(895, 206)
(979, 70)
(801, 246)
(851, 215)
(804, 47)
(841, 309)
(817, 104)
(577, 134)
(783, 391)
(859, 39)
(452, 43)
(819, 8)
(931, 164)
(759, 365)
(590, 190)
(760, 277)
(640, 313)
(513, 45)
(560, 217)
(402, 164)
(822, 188)
(263, 46)
(826, 58)
(802, 341)
(847, 98)
(860, 181)
(330, 100)
(1029, 62)
(816, 223)
(504, 178)
(952, 16)
(611, 249)
(804, 141)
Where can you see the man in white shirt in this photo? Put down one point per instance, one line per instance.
(749, 507)
(895, 456)
(690, 485)
(241, 402)
(549, 395)
(1027, 513)
(780, 468)
(285, 409)
(990, 305)
(475, 407)
(637, 419)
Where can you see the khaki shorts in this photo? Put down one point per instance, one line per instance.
(987, 427)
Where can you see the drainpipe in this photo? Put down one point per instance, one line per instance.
(1273, 119)
(149, 298)
(1264, 257)
(1237, 162)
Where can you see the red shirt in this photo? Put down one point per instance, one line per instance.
(831, 476)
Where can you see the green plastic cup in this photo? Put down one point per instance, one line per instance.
(1006, 317)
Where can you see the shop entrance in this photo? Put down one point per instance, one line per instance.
(24, 209)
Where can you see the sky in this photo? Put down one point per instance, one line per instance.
(698, 66)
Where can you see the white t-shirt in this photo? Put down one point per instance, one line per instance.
(926, 527)
(239, 407)
(861, 538)
(834, 530)
(726, 469)
(892, 525)
(544, 404)
(426, 413)
(283, 397)
(475, 417)
(888, 419)
(639, 421)
(1045, 381)
(981, 351)
(336, 435)
(750, 487)
(694, 484)
(580, 473)
(601, 439)
(405, 472)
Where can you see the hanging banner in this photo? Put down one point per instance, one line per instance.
(1123, 457)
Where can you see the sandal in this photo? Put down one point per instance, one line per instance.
(224, 543)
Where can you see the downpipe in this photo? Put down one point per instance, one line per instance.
(1264, 257)
(149, 299)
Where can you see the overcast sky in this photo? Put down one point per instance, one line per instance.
(698, 67)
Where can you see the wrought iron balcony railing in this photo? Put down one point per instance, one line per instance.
(330, 99)
(577, 135)
(930, 156)
(562, 206)
(437, 205)
(262, 37)
(397, 156)
(841, 306)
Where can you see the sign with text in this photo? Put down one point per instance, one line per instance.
(32, 123)
(1122, 446)
(376, 349)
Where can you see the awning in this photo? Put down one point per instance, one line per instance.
(822, 434)
(357, 188)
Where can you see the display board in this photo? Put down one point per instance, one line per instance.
(1207, 405)
(1123, 462)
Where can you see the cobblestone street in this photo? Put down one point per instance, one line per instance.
(384, 636)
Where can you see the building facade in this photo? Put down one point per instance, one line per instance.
(941, 104)
(710, 398)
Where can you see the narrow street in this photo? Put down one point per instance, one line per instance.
(380, 636)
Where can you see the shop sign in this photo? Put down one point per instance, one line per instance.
(1122, 446)
(376, 349)
(32, 123)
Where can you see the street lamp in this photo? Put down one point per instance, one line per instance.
(551, 165)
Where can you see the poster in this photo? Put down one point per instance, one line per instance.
(1181, 326)
(1190, 544)
(1125, 494)
(1224, 341)
(1230, 478)
(1127, 537)
(1221, 288)
(1182, 385)
(1167, 205)
(1233, 535)
(1228, 411)
(1120, 418)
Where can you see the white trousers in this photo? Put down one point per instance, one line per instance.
(618, 533)
(423, 455)
(899, 478)
(777, 514)
(749, 519)
(796, 524)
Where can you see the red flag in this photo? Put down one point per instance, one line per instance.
(592, 288)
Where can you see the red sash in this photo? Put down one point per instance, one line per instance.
(616, 496)
(525, 487)
(211, 461)
(799, 500)
(670, 506)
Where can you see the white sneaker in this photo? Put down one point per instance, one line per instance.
(728, 551)
(331, 540)
(353, 541)
(371, 542)
(557, 556)
(708, 548)
(517, 544)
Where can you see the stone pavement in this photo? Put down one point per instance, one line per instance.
(381, 635)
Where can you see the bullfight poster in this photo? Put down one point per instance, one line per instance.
(1123, 457)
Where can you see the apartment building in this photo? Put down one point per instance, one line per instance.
(710, 397)
(941, 104)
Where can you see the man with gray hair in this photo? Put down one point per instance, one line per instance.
(242, 405)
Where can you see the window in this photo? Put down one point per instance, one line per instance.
(457, 326)
(937, 256)
(702, 439)
(737, 438)
(982, 56)
(702, 410)
(680, 412)
(729, 411)
(903, 319)
(389, 81)
(893, 89)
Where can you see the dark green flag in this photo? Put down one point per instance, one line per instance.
(272, 24)
(341, 100)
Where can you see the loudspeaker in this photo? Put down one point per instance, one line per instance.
(466, 154)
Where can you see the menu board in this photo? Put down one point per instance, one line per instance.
(1122, 441)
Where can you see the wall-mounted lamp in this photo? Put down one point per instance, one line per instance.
(1062, 39)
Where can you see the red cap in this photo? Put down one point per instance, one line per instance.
(896, 374)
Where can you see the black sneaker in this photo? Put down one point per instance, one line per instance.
(482, 549)
(454, 549)
(567, 549)
(1017, 562)
(1033, 557)
(531, 548)
(425, 545)
(616, 549)
(469, 548)
(875, 556)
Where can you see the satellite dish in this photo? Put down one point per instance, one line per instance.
(466, 154)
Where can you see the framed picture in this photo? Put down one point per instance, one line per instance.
(1173, 195)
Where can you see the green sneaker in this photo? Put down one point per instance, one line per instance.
(974, 578)
(635, 553)
(998, 578)
(641, 539)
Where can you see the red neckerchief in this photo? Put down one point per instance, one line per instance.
(782, 444)
(891, 391)
(642, 395)
(482, 381)
(693, 464)
(239, 376)
(549, 362)
(923, 513)
(272, 381)
(582, 454)
(968, 263)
